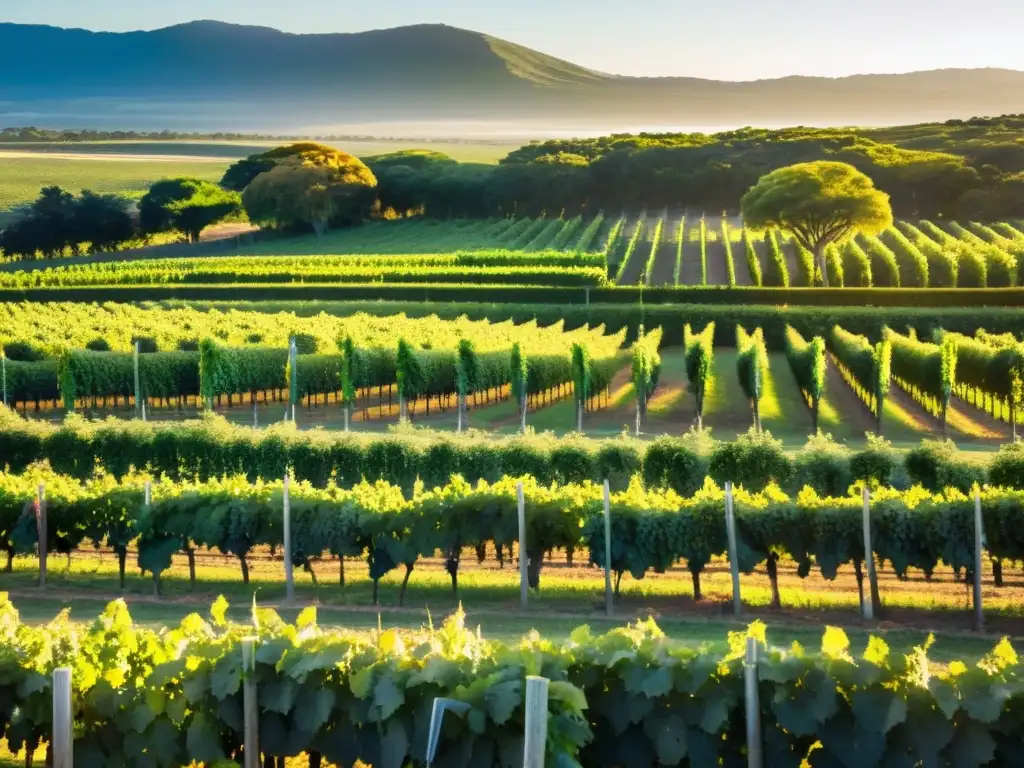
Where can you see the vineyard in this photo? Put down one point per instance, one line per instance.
(652, 251)
(365, 369)
(807, 464)
(630, 697)
(668, 251)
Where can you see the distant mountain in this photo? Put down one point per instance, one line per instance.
(214, 76)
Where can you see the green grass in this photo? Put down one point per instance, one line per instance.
(783, 410)
(467, 151)
(573, 593)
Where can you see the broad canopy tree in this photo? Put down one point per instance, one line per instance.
(819, 203)
(186, 205)
(243, 172)
(315, 189)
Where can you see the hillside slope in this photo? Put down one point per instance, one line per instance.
(212, 75)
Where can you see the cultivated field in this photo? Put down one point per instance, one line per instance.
(716, 251)
(160, 434)
(659, 252)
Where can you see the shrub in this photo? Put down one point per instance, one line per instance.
(671, 463)
(754, 460)
(619, 461)
(937, 465)
(973, 271)
(877, 463)
(824, 465)
(856, 266)
(147, 344)
(1000, 266)
(23, 351)
(98, 345)
(571, 462)
(1006, 468)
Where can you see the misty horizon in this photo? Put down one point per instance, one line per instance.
(740, 42)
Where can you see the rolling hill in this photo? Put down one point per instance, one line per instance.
(214, 76)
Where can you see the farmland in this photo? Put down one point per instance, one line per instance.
(24, 174)
(149, 450)
(657, 252)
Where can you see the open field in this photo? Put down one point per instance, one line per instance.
(24, 174)
(467, 151)
(713, 253)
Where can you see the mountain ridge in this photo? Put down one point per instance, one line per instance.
(213, 74)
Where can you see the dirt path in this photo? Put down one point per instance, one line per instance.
(903, 414)
(965, 423)
(842, 414)
(664, 272)
(717, 272)
(690, 273)
(638, 259)
(976, 423)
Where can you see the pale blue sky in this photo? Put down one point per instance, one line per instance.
(724, 39)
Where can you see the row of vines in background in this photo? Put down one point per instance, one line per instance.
(429, 368)
(808, 361)
(986, 370)
(485, 268)
(211, 447)
(34, 331)
(992, 369)
(629, 249)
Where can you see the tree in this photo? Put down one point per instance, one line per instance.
(186, 205)
(242, 173)
(58, 222)
(103, 221)
(315, 189)
(49, 217)
(819, 203)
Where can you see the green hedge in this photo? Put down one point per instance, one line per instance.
(810, 321)
(526, 294)
(212, 447)
(223, 370)
(632, 697)
(653, 529)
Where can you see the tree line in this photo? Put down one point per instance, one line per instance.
(695, 171)
(312, 187)
(62, 223)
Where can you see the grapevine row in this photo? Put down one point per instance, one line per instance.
(345, 697)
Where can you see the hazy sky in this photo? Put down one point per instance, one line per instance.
(724, 39)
